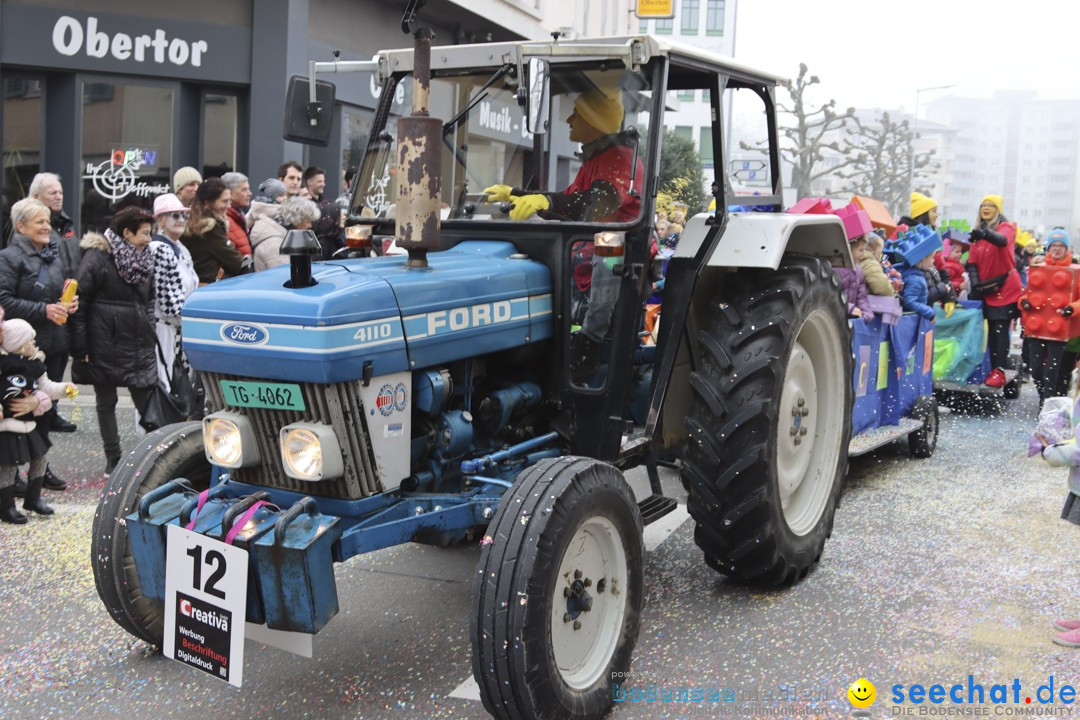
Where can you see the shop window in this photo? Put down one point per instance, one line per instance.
(219, 134)
(21, 141)
(126, 148)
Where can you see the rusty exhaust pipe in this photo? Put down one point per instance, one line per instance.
(419, 164)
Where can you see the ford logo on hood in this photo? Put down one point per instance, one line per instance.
(244, 333)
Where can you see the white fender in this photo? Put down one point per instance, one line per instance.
(761, 239)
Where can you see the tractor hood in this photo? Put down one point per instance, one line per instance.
(478, 298)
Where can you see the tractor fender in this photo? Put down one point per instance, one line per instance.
(759, 240)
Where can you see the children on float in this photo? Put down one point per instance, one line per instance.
(954, 265)
(1056, 439)
(853, 283)
(876, 243)
(866, 256)
(916, 294)
(19, 442)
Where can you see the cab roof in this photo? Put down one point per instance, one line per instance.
(635, 49)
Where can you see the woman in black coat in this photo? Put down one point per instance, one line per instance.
(113, 341)
(32, 278)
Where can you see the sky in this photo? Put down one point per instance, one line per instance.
(877, 53)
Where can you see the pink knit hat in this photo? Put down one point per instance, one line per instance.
(17, 333)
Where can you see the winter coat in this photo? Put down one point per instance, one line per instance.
(992, 260)
(853, 284)
(238, 232)
(114, 324)
(20, 267)
(212, 251)
(876, 282)
(328, 228)
(915, 293)
(266, 237)
(938, 288)
(956, 274)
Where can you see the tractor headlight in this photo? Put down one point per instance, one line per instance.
(229, 440)
(310, 451)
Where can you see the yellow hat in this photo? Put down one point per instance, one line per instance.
(602, 109)
(921, 204)
(996, 199)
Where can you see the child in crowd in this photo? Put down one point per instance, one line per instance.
(916, 294)
(1062, 450)
(853, 283)
(862, 252)
(876, 243)
(954, 265)
(20, 443)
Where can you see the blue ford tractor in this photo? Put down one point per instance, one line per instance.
(495, 380)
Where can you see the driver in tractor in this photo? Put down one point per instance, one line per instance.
(601, 192)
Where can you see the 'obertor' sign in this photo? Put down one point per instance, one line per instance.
(69, 38)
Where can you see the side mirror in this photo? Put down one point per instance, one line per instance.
(309, 122)
(538, 111)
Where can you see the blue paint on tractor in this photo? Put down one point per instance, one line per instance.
(472, 300)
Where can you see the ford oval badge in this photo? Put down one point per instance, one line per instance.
(244, 333)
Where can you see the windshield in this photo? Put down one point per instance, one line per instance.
(588, 167)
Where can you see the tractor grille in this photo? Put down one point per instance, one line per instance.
(338, 405)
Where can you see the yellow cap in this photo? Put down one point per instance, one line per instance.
(996, 199)
(602, 109)
(921, 204)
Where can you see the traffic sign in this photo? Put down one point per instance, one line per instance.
(660, 9)
(747, 165)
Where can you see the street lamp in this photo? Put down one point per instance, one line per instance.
(915, 133)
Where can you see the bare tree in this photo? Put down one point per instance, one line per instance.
(807, 132)
(883, 168)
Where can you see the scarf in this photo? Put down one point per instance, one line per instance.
(135, 266)
(49, 253)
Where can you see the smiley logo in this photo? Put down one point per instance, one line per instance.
(862, 693)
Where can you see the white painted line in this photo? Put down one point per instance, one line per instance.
(655, 535)
(467, 690)
(661, 530)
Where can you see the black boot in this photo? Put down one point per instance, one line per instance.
(20, 485)
(33, 497)
(111, 462)
(52, 482)
(8, 511)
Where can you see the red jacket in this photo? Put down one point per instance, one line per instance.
(238, 231)
(609, 164)
(956, 273)
(991, 261)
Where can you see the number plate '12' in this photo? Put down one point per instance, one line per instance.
(269, 395)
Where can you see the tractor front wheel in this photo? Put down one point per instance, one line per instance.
(172, 452)
(558, 592)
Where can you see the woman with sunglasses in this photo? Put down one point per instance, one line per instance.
(994, 280)
(174, 278)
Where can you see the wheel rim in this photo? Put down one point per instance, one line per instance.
(589, 603)
(810, 423)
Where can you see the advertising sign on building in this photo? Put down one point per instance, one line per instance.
(655, 8)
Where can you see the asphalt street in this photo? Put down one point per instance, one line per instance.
(937, 569)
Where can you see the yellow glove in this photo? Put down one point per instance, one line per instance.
(525, 206)
(950, 307)
(498, 193)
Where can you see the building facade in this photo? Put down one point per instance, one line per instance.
(1017, 146)
(708, 24)
(115, 95)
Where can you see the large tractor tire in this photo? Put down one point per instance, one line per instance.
(163, 455)
(770, 421)
(558, 593)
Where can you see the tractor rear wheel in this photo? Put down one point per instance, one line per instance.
(558, 593)
(172, 452)
(770, 421)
